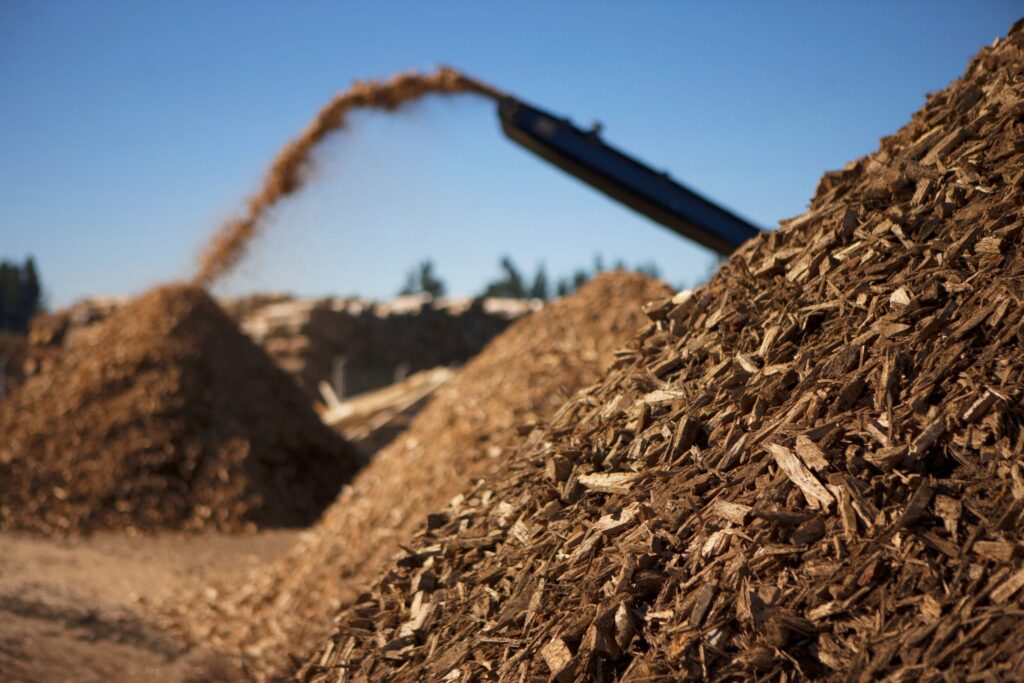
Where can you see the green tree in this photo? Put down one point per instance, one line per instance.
(540, 289)
(20, 294)
(650, 269)
(510, 285)
(31, 291)
(8, 295)
(579, 278)
(423, 279)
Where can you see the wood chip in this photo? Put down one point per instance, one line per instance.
(609, 482)
(558, 657)
(815, 493)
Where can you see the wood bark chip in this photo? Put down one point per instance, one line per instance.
(1009, 588)
(558, 658)
(611, 482)
(810, 453)
(736, 513)
(918, 503)
(814, 491)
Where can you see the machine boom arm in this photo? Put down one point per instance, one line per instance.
(623, 178)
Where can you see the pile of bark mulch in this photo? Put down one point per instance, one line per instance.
(519, 379)
(811, 469)
(165, 415)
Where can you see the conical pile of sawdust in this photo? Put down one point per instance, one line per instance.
(165, 416)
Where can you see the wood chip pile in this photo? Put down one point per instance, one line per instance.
(24, 355)
(466, 430)
(312, 338)
(811, 468)
(164, 415)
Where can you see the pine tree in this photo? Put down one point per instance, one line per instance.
(539, 289)
(579, 278)
(30, 293)
(423, 279)
(650, 269)
(8, 296)
(20, 294)
(510, 285)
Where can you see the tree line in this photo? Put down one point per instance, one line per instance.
(513, 283)
(21, 294)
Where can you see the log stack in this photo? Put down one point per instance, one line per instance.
(374, 419)
(357, 345)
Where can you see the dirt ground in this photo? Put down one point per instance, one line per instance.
(75, 610)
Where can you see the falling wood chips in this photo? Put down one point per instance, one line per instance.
(849, 504)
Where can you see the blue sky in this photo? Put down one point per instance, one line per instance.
(128, 130)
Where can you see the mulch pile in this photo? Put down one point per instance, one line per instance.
(811, 468)
(165, 415)
(465, 432)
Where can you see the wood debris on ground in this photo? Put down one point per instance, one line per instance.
(373, 419)
(810, 468)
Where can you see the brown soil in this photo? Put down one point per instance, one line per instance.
(812, 468)
(467, 430)
(165, 416)
(75, 610)
(290, 170)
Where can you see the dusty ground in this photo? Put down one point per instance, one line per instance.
(75, 610)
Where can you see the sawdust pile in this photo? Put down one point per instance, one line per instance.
(164, 415)
(290, 170)
(812, 468)
(521, 378)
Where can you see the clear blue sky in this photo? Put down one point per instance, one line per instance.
(129, 129)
